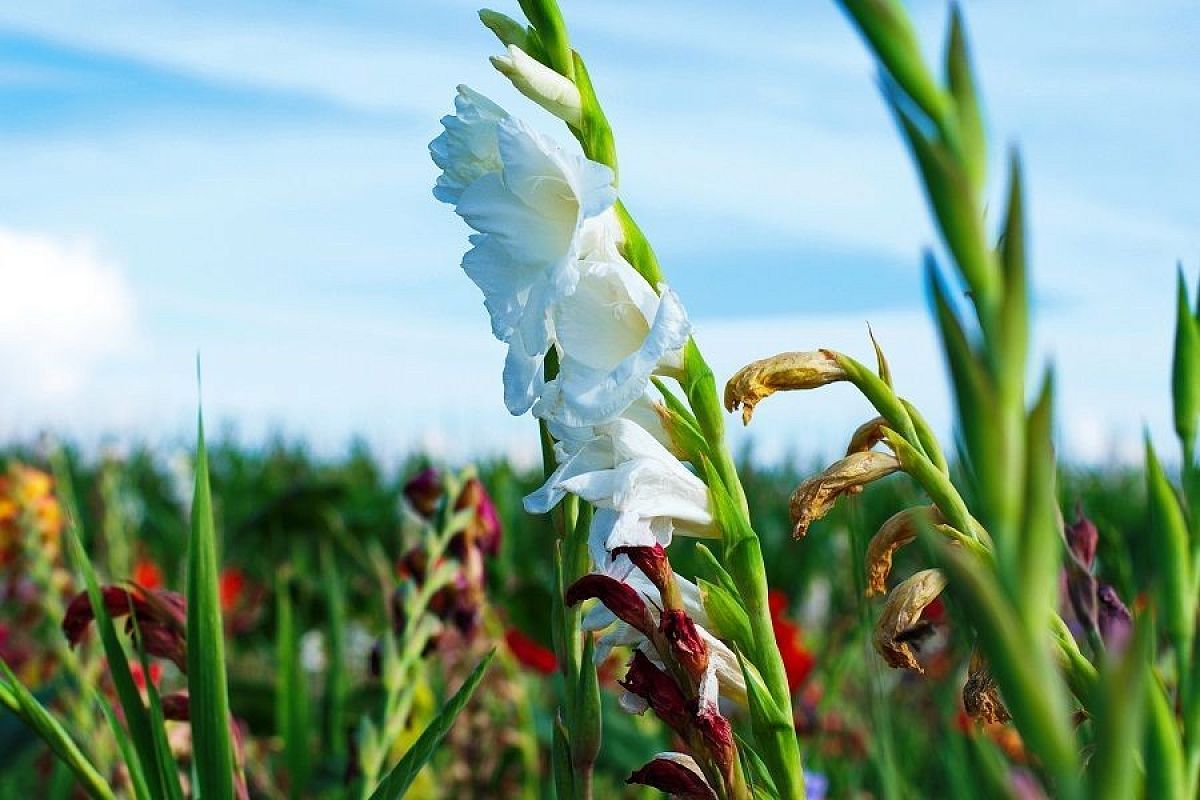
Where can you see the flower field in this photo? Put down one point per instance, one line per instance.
(648, 613)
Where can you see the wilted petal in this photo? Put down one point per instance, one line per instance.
(816, 496)
(761, 379)
(867, 436)
(981, 699)
(687, 647)
(676, 774)
(902, 613)
(900, 529)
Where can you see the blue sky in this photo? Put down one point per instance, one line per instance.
(251, 182)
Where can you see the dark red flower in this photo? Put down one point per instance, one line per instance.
(1082, 537)
(653, 563)
(659, 691)
(618, 597)
(718, 736)
(688, 649)
(674, 778)
(529, 653)
(161, 618)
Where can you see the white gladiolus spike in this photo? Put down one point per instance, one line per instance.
(529, 201)
(542, 85)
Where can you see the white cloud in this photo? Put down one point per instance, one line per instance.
(65, 311)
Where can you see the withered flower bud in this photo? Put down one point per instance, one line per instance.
(816, 496)
(866, 436)
(981, 699)
(1114, 619)
(761, 379)
(1082, 538)
(659, 692)
(423, 491)
(675, 774)
(618, 597)
(902, 614)
(687, 648)
(900, 529)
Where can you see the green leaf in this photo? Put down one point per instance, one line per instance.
(158, 724)
(726, 617)
(595, 134)
(1033, 581)
(1185, 369)
(972, 143)
(880, 395)
(402, 775)
(207, 686)
(773, 727)
(128, 754)
(1169, 554)
(711, 569)
(291, 694)
(1013, 342)
(1117, 719)
(507, 29)
(19, 700)
(1165, 774)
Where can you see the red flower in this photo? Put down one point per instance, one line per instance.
(233, 583)
(798, 662)
(147, 574)
(530, 653)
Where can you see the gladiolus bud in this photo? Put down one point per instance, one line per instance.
(687, 648)
(761, 379)
(423, 491)
(1082, 537)
(542, 85)
(675, 774)
(618, 597)
(659, 692)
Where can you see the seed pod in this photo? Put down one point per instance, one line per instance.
(816, 496)
(902, 615)
(782, 372)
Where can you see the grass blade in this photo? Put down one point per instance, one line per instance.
(398, 780)
(207, 685)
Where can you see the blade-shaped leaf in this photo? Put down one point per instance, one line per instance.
(402, 775)
(209, 694)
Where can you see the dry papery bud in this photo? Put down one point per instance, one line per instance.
(676, 774)
(902, 614)
(816, 496)
(866, 436)
(900, 529)
(981, 699)
(761, 379)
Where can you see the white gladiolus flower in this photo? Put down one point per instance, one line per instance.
(553, 92)
(613, 333)
(722, 661)
(641, 492)
(529, 200)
